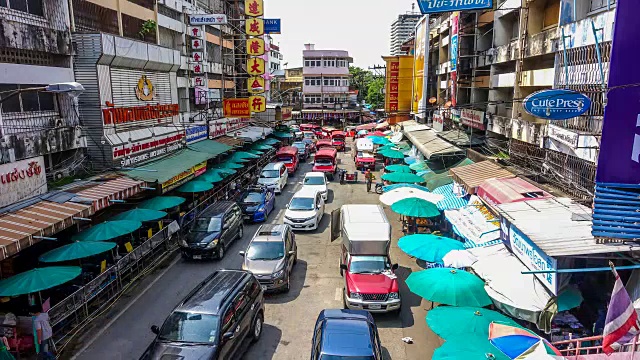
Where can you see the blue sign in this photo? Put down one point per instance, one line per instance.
(272, 26)
(556, 104)
(454, 52)
(196, 133)
(439, 6)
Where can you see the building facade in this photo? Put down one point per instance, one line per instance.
(402, 29)
(274, 73)
(325, 78)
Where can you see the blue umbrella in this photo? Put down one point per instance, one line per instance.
(410, 160)
(401, 185)
(379, 140)
(363, 132)
(430, 248)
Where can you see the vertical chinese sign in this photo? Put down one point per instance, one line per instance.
(393, 86)
(454, 56)
(254, 26)
(398, 87)
(199, 80)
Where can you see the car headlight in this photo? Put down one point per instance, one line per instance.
(394, 296)
(278, 274)
(309, 218)
(357, 296)
(212, 244)
(260, 209)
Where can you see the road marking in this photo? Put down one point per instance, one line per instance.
(338, 296)
(129, 305)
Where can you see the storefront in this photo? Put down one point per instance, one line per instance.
(132, 115)
(330, 114)
(21, 180)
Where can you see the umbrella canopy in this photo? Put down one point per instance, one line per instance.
(261, 147)
(270, 141)
(222, 172)
(255, 152)
(239, 160)
(454, 323)
(378, 140)
(162, 202)
(211, 176)
(449, 286)
(362, 132)
(410, 160)
(38, 279)
(401, 185)
(459, 259)
(282, 134)
(77, 250)
(569, 298)
(419, 166)
(415, 207)
(430, 248)
(393, 196)
(195, 186)
(140, 214)
(108, 230)
(244, 155)
(228, 165)
(515, 342)
(402, 178)
(468, 349)
(392, 154)
(398, 168)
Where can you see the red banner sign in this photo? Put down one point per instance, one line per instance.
(236, 108)
(223, 127)
(121, 115)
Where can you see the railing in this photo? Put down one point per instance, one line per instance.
(592, 345)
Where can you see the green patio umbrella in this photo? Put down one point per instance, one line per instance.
(77, 250)
(569, 298)
(222, 172)
(271, 141)
(392, 154)
(262, 146)
(256, 152)
(140, 214)
(419, 166)
(396, 177)
(468, 349)
(379, 140)
(108, 230)
(162, 202)
(449, 286)
(211, 176)
(427, 247)
(398, 168)
(38, 279)
(415, 207)
(195, 186)
(244, 155)
(228, 165)
(282, 134)
(239, 160)
(453, 322)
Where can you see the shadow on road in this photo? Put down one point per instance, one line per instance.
(385, 354)
(266, 347)
(330, 196)
(298, 277)
(409, 300)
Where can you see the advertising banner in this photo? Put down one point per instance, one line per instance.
(454, 56)
(472, 118)
(556, 104)
(183, 177)
(196, 133)
(272, 26)
(397, 88)
(418, 65)
(223, 127)
(440, 6)
(619, 160)
(438, 122)
(22, 180)
(534, 258)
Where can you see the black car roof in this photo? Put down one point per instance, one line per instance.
(216, 209)
(211, 295)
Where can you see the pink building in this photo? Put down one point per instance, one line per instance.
(326, 78)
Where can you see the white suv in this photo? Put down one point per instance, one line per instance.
(274, 176)
(317, 181)
(305, 210)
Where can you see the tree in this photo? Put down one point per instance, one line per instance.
(375, 97)
(360, 80)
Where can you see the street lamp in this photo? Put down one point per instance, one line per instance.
(73, 89)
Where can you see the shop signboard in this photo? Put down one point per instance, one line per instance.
(208, 19)
(197, 57)
(196, 133)
(198, 81)
(254, 8)
(255, 84)
(563, 136)
(238, 107)
(254, 27)
(21, 180)
(223, 127)
(196, 68)
(472, 118)
(455, 115)
(197, 44)
(534, 258)
(255, 46)
(258, 103)
(183, 177)
(195, 32)
(272, 26)
(398, 93)
(438, 121)
(474, 222)
(123, 115)
(441, 6)
(215, 95)
(556, 104)
(287, 113)
(143, 150)
(255, 66)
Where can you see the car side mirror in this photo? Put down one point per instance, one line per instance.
(228, 336)
(286, 206)
(241, 253)
(394, 267)
(155, 329)
(291, 253)
(343, 267)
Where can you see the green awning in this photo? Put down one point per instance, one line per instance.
(166, 168)
(210, 147)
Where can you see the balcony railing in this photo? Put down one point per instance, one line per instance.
(37, 121)
(507, 52)
(544, 42)
(592, 345)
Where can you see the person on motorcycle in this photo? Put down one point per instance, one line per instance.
(368, 178)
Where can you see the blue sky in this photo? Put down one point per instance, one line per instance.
(358, 26)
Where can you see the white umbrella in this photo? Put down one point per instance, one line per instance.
(398, 194)
(459, 259)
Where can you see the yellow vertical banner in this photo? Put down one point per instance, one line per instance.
(128, 246)
(160, 224)
(418, 64)
(149, 233)
(103, 266)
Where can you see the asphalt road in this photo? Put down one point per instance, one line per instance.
(289, 318)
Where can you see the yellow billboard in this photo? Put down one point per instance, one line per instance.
(398, 84)
(418, 63)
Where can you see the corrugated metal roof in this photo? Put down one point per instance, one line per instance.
(471, 176)
(412, 125)
(461, 138)
(550, 224)
(164, 169)
(429, 144)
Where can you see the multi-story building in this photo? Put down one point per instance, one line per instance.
(402, 29)
(274, 73)
(291, 87)
(326, 82)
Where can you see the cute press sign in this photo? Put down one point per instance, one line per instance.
(556, 104)
(22, 179)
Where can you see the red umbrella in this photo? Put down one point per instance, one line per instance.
(378, 133)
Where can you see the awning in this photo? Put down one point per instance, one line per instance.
(116, 189)
(471, 176)
(475, 223)
(451, 201)
(429, 144)
(165, 169)
(412, 125)
(253, 133)
(210, 147)
(519, 295)
(508, 190)
(382, 125)
(369, 126)
(44, 218)
(230, 141)
(461, 138)
(558, 226)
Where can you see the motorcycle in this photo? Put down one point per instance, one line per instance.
(378, 188)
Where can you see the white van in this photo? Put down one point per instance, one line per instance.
(364, 145)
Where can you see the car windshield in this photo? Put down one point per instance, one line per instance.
(190, 327)
(299, 203)
(207, 224)
(300, 146)
(308, 135)
(314, 180)
(265, 250)
(286, 159)
(252, 198)
(368, 264)
(340, 357)
(323, 162)
(269, 174)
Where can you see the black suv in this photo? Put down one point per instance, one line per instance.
(217, 320)
(212, 231)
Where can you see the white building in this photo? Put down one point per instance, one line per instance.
(274, 67)
(402, 29)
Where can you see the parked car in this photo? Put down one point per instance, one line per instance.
(257, 202)
(365, 160)
(326, 161)
(289, 156)
(303, 150)
(271, 255)
(324, 143)
(218, 319)
(274, 176)
(317, 181)
(345, 334)
(305, 210)
(211, 233)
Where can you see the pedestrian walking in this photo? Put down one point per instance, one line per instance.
(42, 332)
(368, 178)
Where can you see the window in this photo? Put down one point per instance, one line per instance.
(25, 101)
(241, 304)
(227, 321)
(600, 4)
(206, 224)
(29, 6)
(190, 327)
